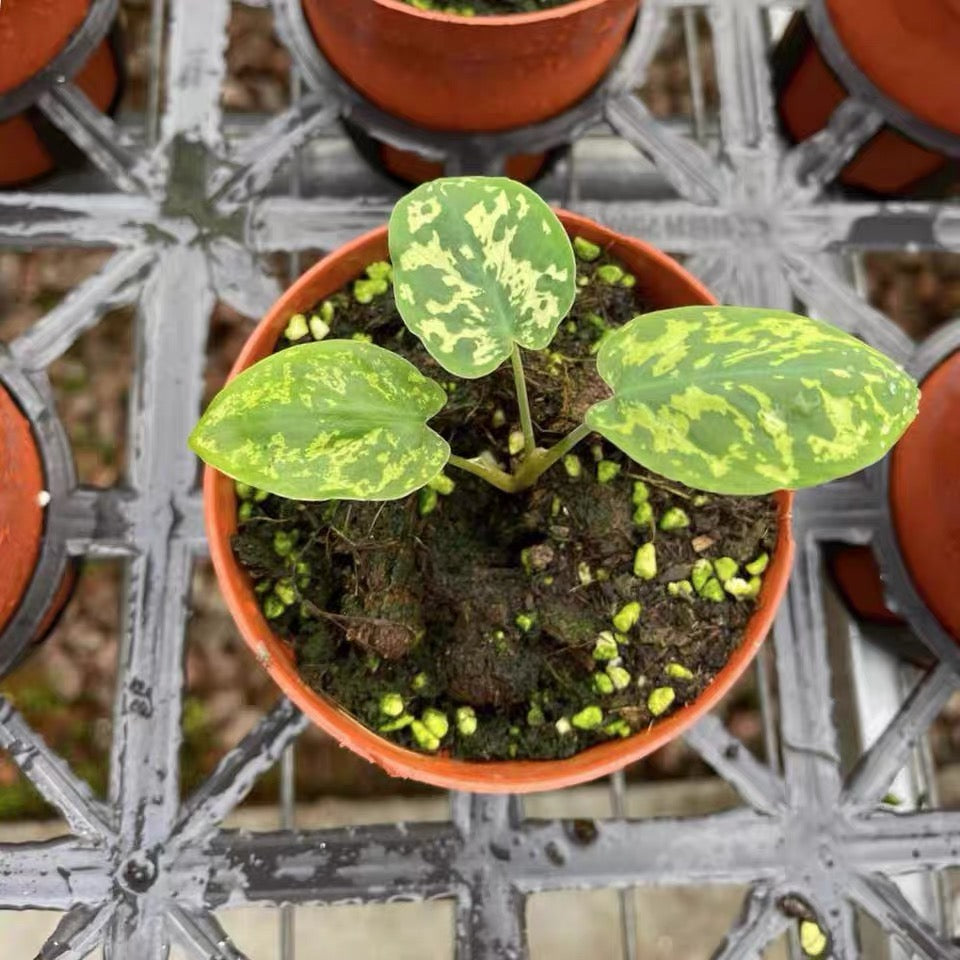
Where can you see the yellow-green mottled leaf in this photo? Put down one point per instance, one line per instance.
(744, 401)
(479, 264)
(339, 419)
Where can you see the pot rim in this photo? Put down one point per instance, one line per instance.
(498, 776)
(496, 20)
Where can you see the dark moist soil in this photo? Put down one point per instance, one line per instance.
(385, 598)
(481, 8)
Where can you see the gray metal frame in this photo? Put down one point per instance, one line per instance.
(190, 213)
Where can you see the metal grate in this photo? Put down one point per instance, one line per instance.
(191, 212)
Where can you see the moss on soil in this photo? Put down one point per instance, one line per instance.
(474, 597)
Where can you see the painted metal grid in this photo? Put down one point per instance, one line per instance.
(190, 214)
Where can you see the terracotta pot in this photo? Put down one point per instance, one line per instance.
(469, 74)
(908, 51)
(856, 573)
(32, 33)
(924, 479)
(411, 167)
(664, 283)
(21, 515)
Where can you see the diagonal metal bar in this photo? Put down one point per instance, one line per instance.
(877, 768)
(59, 786)
(631, 70)
(883, 900)
(816, 282)
(239, 279)
(755, 782)
(78, 933)
(682, 161)
(759, 923)
(53, 875)
(747, 116)
(115, 284)
(814, 163)
(200, 933)
(257, 158)
(65, 219)
(237, 772)
(99, 137)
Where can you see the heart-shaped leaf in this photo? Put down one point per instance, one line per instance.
(339, 419)
(744, 401)
(480, 263)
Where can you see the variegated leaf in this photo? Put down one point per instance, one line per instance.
(744, 401)
(479, 264)
(339, 419)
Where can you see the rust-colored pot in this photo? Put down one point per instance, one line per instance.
(664, 283)
(411, 167)
(469, 74)
(856, 573)
(21, 515)
(924, 479)
(908, 50)
(32, 33)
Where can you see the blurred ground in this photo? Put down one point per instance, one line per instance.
(67, 688)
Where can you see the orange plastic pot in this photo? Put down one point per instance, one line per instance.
(21, 515)
(469, 74)
(663, 283)
(924, 472)
(908, 51)
(924, 479)
(856, 573)
(410, 166)
(32, 33)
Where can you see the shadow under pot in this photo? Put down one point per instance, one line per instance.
(899, 57)
(675, 655)
(31, 36)
(475, 74)
(924, 474)
(22, 495)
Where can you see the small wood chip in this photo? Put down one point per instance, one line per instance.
(701, 543)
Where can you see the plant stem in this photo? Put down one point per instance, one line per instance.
(533, 467)
(526, 423)
(494, 476)
(530, 470)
